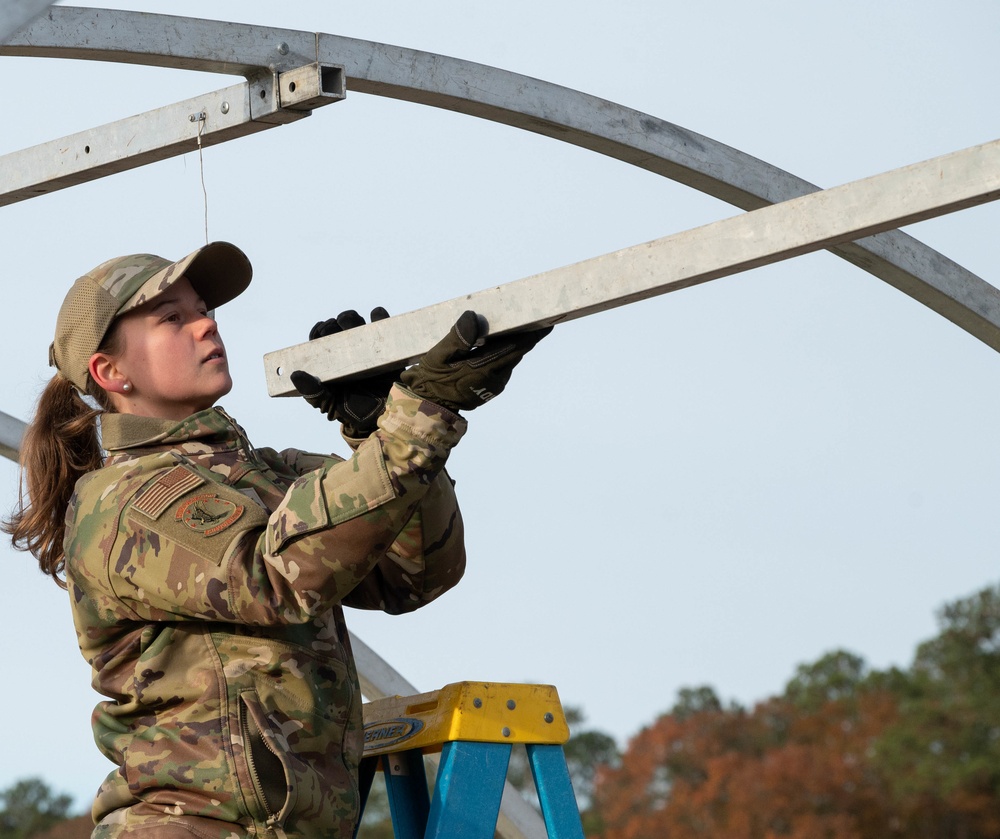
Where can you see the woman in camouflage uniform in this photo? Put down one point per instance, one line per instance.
(207, 577)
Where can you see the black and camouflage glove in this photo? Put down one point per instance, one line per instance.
(466, 369)
(357, 403)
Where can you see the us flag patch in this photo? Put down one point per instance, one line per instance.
(165, 490)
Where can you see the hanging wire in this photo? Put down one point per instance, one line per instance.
(200, 119)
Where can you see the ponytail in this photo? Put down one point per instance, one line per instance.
(60, 446)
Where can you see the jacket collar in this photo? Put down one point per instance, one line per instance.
(127, 431)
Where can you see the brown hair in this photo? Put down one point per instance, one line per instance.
(60, 446)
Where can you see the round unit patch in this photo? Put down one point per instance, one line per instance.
(209, 514)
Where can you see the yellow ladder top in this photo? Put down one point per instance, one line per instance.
(490, 712)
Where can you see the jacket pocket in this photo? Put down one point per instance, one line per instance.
(304, 705)
(268, 775)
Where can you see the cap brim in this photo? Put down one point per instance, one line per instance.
(218, 271)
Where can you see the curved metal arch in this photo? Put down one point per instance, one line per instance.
(511, 99)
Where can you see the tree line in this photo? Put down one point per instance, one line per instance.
(844, 752)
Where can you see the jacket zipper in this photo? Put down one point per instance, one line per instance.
(243, 442)
(271, 819)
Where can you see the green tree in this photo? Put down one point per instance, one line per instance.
(30, 807)
(838, 675)
(587, 750)
(942, 757)
(691, 701)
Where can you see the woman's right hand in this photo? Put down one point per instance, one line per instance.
(466, 368)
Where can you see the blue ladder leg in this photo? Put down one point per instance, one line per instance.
(406, 784)
(555, 791)
(468, 790)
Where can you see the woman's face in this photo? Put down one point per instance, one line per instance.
(173, 356)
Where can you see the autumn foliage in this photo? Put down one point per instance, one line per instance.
(843, 753)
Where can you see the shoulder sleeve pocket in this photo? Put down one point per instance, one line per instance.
(185, 509)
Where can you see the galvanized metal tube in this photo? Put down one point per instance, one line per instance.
(802, 225)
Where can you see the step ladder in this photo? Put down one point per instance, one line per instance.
(474, 726)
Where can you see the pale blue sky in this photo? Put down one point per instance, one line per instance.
(706, 488)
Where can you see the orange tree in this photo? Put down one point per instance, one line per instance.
(795, 765)
(842, 753)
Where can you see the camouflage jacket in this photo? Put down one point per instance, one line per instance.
(207, 578)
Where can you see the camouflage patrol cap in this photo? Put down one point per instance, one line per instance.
(218, 271)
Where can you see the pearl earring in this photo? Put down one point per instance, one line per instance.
(126, 387)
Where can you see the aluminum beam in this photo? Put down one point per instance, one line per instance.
(175, 129)
(802, 225)
(512, 99)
